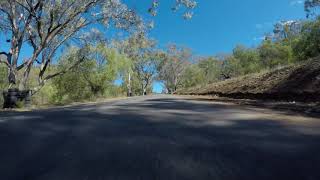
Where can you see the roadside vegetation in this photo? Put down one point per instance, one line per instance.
(71, 60)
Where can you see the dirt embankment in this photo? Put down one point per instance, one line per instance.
(292, 83)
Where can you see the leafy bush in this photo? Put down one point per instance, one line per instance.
(193, 75)
(248, 59)
(211, 69)
(273, 54)
(93, 78)
(308, 44)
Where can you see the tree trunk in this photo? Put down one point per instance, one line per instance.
(142, 88)
(12, 76)
(144, 91)
(24, 80)
(129, 86)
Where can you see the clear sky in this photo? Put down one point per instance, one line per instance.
(219, 25)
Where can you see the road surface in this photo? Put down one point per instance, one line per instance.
(158, 138)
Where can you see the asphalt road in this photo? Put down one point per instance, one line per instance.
(158, 138)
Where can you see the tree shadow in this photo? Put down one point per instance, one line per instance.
(154, 139)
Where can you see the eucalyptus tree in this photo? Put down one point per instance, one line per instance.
(287, 30)
(102, 68)
(133, 48)
(173, 66)
(94, 77)
(144, 58)
(146, 68)
(48, 26)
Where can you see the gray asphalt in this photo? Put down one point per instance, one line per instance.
(158, 137)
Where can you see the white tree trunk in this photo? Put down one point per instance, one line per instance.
(129, 86)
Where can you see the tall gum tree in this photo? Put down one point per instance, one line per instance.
(173, 65)
(144, 59)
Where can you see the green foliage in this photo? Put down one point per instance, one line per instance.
(273, 54)
(308, 44)
(20, 104)
(211, 69)
(47, 95)
(230, 67)
(3, 76)
(248, 59)
(91, 79)
(192, 76)
(143, 64)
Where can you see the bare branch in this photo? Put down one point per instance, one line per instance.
(64, 71)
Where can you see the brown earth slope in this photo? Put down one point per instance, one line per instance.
(296, 82)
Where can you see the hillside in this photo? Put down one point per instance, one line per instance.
(295, 82)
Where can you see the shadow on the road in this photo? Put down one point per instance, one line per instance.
(154, 139)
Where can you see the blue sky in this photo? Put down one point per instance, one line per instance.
(219, 25)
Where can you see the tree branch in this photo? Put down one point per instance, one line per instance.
(65, 70)
(47, 62)
(22, 65)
